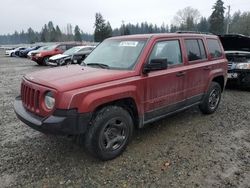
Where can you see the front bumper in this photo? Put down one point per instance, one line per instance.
(61, 122)
(37, 59)
(239, 76)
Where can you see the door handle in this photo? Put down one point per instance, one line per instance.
(180, 74)
(207, 68)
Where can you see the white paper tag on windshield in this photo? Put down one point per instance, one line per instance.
(128, 43)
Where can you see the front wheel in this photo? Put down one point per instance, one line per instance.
(109, 132)
(45, 60)
(212, 99)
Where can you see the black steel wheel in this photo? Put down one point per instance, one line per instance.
(109, 132)
(212, 99)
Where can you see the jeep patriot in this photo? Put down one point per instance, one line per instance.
(125, 83)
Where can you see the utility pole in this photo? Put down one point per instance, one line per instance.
(228, 19)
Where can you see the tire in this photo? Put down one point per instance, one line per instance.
(12, 54)
(109, 132)
(212, 99)
(39, 63)
(45, 60)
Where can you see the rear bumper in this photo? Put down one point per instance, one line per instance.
(61, 122)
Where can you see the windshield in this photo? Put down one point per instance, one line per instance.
(43, 48)
(50, 47)
(116, 54)
(73, 50)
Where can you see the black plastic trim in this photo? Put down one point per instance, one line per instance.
(62, 122)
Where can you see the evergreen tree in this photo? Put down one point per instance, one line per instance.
(77, 36)
(58, 34)
(31, 35)
(203, 25)
(45, 34)
(124, 29)
(102, 30)
(52, 32)
(217, 18)
(108, 30)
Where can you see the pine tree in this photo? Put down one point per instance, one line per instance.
(77, 36)
(203, 25)
(31, 36)
(58, 34)
(45, 34)
(52, 32)
(217, 18)
(108, 30)
(102, 30)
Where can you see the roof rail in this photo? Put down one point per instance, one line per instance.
(195, 32)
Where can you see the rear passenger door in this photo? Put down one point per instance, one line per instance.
(196, 68)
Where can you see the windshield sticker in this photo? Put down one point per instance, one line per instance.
(128, 43)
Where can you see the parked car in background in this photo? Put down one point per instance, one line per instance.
(125, 83)
(237, 49)
(78, 57)
(66, 57)
(14, 52)
(42, 57)
(24, 53)
(32, 53)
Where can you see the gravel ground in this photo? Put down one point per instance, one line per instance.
(186, 150)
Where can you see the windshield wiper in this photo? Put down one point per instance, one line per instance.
(104, 66)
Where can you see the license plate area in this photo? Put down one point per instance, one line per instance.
(232, 75)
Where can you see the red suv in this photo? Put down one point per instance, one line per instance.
(42, 57)
(126, 82)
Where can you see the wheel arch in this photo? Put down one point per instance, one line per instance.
(220, 80)
(128, 104)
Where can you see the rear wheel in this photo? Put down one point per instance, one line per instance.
(109, 132)
(212, 99)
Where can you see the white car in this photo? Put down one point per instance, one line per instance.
(12, 53)
(65, 58)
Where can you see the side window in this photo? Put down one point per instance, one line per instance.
(214, 48)
(69, 46)
(62, 47)
(169, 50)
(195, 49)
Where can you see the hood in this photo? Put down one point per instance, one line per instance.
(235, 42)
(9, 51)
(59, 56)
(75, 76)
(33, 51)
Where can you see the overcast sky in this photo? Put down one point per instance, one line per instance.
(22, 14)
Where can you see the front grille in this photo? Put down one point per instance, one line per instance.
(30, 98)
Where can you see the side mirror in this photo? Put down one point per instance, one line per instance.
(156, 64)
(57, 49)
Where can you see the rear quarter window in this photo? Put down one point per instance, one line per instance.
(214, 48)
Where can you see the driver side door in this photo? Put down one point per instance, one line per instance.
(164, 89)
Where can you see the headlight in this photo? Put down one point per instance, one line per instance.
(242, 66)
(39, 55)
(49, 100)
